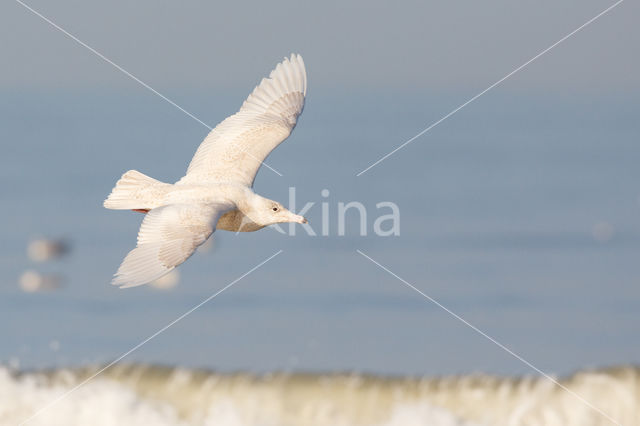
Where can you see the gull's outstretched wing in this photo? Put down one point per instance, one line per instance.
(167, 237)
(236, 148)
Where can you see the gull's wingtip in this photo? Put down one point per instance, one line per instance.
(296, 60)
(120, 282)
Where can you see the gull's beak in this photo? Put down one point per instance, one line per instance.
(298, 219)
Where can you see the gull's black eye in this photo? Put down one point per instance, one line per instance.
(275, 209)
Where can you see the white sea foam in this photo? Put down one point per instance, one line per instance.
(137, 395)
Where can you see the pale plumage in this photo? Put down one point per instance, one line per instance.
(236, 148)
(217, 186)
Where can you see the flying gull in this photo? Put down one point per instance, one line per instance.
(216, 192)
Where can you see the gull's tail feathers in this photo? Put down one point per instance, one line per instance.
(136, 191)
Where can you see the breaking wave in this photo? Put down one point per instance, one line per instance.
(152, 395)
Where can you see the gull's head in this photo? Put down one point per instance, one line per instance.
(267, 212)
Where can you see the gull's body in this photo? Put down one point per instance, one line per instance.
(217, 190)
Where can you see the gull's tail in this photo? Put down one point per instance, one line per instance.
(136, 191)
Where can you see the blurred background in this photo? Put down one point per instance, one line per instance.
(520, 213)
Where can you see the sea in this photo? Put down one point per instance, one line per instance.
(508, 295)
(158, 395)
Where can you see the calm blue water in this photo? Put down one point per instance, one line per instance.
(498, 206)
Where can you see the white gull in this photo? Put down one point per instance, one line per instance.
(217, 190)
